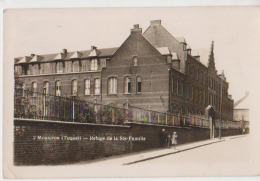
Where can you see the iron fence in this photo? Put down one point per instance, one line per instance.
(35, 105)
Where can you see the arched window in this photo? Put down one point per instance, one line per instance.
(112, 85)
(74, 87)
(127, 85)
(58, 88)
(139, 84)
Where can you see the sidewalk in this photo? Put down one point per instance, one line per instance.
(152, 154)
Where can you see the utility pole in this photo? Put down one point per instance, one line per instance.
(222, 75)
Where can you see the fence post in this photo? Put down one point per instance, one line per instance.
(95, 109)
(73, 108)
(149, 114)
(166, 116)
(44, 102)
(127, 110)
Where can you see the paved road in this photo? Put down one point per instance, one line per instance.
(226, 158)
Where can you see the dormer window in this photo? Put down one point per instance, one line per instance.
(59, 67)
(135, 61)
(94, 64)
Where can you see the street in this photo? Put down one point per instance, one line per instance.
(230, 157)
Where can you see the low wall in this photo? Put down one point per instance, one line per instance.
(43, 142)
(56, 143)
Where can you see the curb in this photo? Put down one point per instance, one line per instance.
(150, 158)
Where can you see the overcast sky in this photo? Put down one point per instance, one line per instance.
(234, 30)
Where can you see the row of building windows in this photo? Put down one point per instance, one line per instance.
(197, 74)
(112, 86)
(199, 96)
(64, 66)
(61, 66)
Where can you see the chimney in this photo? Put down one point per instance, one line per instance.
(93, 48)
(32, 55)
(155, 22)
(136, 29)
(64, 51)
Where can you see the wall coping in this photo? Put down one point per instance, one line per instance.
(158, 125)
(66, 122)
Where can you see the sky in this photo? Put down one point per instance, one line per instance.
(233, 29)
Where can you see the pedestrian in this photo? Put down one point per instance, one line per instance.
(169, 141)
(174, 139)
(163, 138)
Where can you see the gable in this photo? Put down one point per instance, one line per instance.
(136, 45)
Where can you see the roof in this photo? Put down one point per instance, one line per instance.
(105, 52)
(164, 50)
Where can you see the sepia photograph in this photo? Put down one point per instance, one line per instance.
(131, 92)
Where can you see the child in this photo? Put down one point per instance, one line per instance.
(174, 139)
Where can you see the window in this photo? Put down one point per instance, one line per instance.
(59, 67)
(74, 87)
(198, 95)
(135, 61)
(97, 86)
(197, 75)
(193, 71)
(177, 87)
(169, 59)
(58, 88)
(201, 96)
(202, 77)
(139, 84)
(172, 84)
(112, 85)
(205, 97)
(192, 92)
(87, 87)
(94, 64)
(182, 89)
(188, 69)
(34, 89)
(75, 66)
(46, 88)
(127, 85)
(188, 90)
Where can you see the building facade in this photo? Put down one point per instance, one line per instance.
(152, 70)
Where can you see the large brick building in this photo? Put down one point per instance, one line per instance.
(149, 69)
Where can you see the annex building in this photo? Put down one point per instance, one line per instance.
(153, 70)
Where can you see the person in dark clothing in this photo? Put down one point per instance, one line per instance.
(163, 138)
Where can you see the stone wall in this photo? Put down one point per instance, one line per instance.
(49, 142)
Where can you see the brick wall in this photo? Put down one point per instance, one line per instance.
(29, 149)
